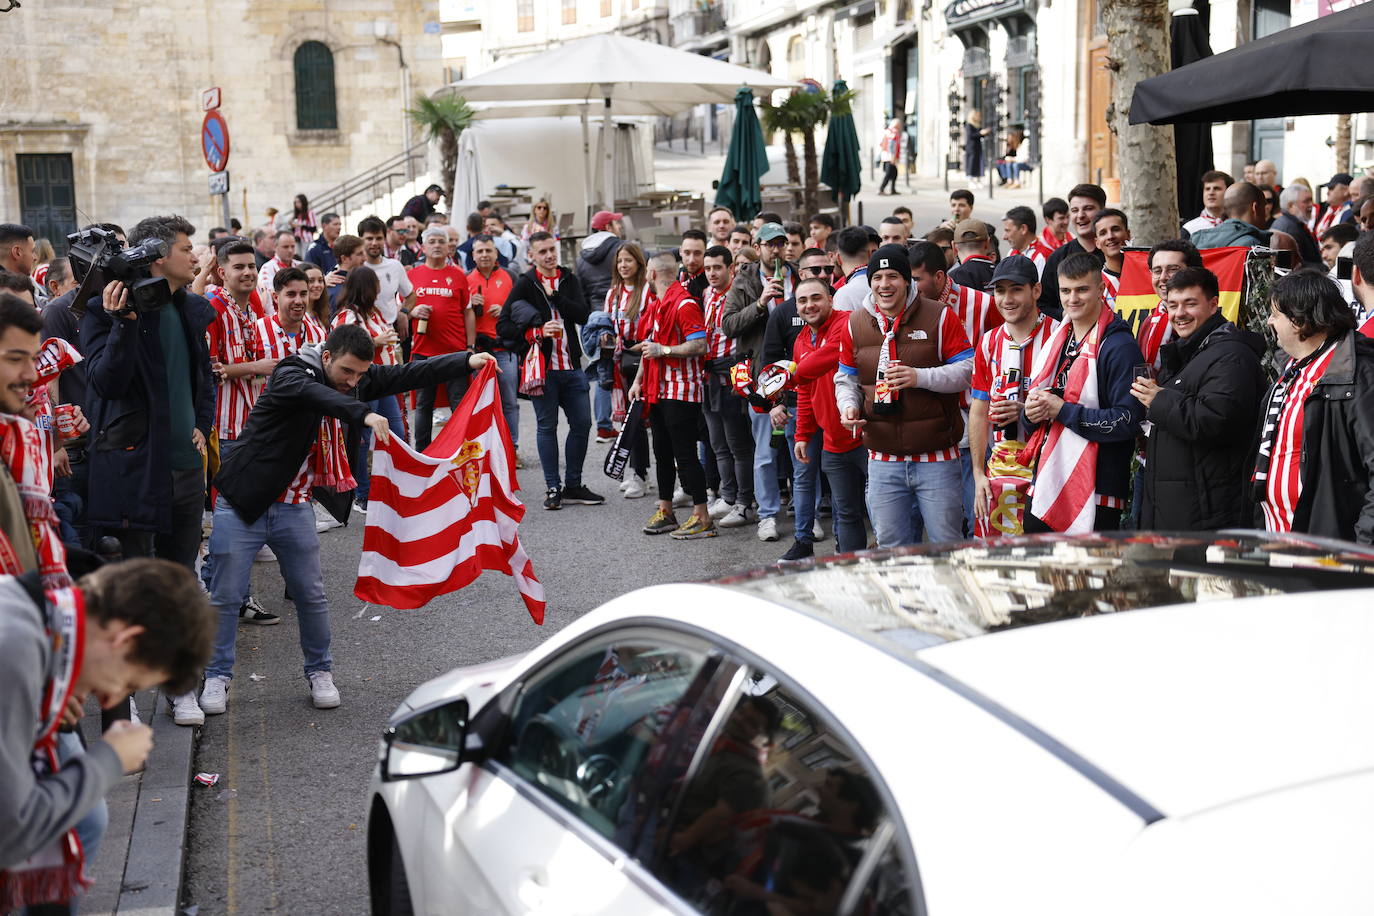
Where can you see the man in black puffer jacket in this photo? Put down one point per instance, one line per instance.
(1204, 407)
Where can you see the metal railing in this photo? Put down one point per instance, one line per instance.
(378, 181)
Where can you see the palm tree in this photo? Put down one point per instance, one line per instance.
(784, 119)
(443, 117)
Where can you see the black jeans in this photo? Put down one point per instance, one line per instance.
(732, 441)
(889, 177)
(1105, 520)
(674, 425)
(424, 407)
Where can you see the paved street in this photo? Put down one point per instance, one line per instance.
(283, 831)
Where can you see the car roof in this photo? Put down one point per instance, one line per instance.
(1193, 707)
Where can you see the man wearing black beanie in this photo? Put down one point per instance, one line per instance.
(903, 362)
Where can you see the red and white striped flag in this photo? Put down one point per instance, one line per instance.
(436, 520)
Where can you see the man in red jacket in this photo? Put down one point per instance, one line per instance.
(843, 460)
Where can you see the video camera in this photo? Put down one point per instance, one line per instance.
(98, 257)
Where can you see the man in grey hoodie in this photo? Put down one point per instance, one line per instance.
(595, 270)
(136, 624)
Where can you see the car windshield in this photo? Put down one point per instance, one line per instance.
(919, 597)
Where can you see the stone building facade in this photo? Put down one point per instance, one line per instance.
(101, 104)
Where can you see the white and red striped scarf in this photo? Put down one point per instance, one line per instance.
(976, 310)
(1110, 286)
(54, 357)
(560, 357)
(1328, 219)
(718, 346)
(1051, 240)
(57, 872)
(1065, 463)
(1155, 331)
(27, 454)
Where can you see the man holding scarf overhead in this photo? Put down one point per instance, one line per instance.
(1080, 399)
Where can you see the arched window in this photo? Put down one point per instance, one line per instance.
(315, 105)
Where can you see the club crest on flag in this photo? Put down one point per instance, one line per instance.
(468, 463)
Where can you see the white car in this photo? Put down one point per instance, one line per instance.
(887, 734)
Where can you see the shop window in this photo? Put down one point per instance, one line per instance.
(569, 12)
(316, 106)
(796, 58)
(524, 15)
(605, 8)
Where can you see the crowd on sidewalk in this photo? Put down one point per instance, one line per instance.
(909, 385)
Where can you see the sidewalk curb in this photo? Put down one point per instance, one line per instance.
(157, 841)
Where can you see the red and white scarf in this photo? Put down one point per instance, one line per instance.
(27, 455)
(1065, 462)
(55, 873)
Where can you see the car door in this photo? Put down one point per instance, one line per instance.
(548, 822)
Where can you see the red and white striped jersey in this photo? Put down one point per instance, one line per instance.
(674, 320)
(265, 275)
(718, 346)
(1328, 219)
(1038, 252)
(977, 312)
(230, 339)
(1051, 240)
(559, 356)
(272, 341)
(618, 307)
(1285, 464)
(376, 325)
(997, 353)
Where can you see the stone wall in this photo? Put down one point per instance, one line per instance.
(117, 84)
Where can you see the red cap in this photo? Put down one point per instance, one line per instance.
(604, 218)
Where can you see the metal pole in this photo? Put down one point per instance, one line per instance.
(586, 165)
(608, 146)
(224, 209)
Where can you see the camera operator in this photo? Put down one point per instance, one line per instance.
(151, 404)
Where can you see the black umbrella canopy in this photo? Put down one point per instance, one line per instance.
(1192, 142)
(1319, 67)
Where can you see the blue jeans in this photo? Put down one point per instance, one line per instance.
(895, 488)
(601, 407)
(847, 472)
(765, 473)
(564, 389)
(91, 828)
(509, 382)
(290, 531)
(966, 489)
(806, 481)
(454, 388)
(390, 408)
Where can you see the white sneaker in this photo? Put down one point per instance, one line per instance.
(625, 484)
(323, 693)
(817, 532)
(214, 696)
(265, 555)
(768, 529)
(680, 499)
(186, 711)
(719, 509)
(323, 520)
(636, 489)
(737, 517)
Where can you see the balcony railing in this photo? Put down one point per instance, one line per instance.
(698, 23)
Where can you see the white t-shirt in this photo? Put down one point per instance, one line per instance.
(395, 287)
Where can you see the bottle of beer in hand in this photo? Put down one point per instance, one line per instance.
(884, 395)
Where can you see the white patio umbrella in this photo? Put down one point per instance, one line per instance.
(467, 181)
(612, 69)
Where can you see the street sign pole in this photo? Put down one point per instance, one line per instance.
(214, 142)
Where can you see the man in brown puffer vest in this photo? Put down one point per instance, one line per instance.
(903, 363)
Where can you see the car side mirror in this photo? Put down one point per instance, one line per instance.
(427, 743)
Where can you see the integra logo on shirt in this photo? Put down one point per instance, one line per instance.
(434, 291)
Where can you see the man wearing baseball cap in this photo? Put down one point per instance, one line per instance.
(596, 257)
(904, 359)
(754, 294)
(975, 260)
(1336, 207)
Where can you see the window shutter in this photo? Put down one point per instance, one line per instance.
(315, 103)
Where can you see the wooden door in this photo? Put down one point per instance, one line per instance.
(1101, 141)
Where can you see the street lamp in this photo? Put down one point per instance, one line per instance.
(955, 130)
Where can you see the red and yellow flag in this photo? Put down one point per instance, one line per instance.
(1136, 297)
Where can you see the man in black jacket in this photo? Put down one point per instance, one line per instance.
(265, 486)
(1314, 462)
(548, 300)
(1084, 202)
(1204, 404)
(1296, 204)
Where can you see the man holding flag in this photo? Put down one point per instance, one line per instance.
(265, 486)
